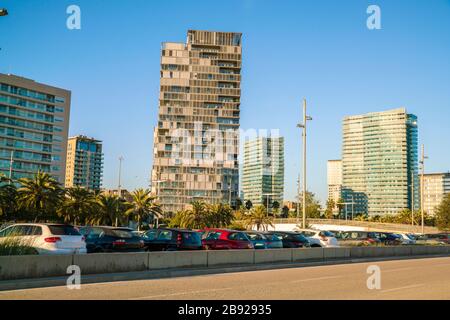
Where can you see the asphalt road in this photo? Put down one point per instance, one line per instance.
(400, 279)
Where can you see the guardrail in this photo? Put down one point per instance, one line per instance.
(380, 226)
(24, 267)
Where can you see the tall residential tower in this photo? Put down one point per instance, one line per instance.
(379, 162)
(196, 141)
(435, 187)
(334, 179)
(84, 166)
(263, 171)
(34, 123)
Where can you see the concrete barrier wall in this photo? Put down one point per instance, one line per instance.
(273, 256)
(230, 257)
(111, 263)
(177, 259)
(21, 267)
(314, 254)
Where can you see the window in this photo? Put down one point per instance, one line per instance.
(150, 235)
(165, 235)
(239, 236)
(213, 235)
(192, 238)
(63, 230)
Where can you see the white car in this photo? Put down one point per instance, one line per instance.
(46, 238)
(406, 238)
(320, 238)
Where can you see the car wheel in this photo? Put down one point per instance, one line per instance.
(316, 246)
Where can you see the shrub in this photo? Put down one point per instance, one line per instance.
(14, 246)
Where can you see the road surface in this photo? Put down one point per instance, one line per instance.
(400, 279)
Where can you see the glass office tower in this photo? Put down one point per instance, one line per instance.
(196, 140)
(34, 121)
(263, 171)
(380, 163)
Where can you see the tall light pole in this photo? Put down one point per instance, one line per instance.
(422, 186)
(303, 126)
(119, 186)
(267, 195)
(11, 161)
(412, 197)
(298, 199)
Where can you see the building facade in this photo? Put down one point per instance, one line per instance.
(34, 122)
(263, 171)
(84, 165)
(435, 187)
(196, 141)
(379, 162)
(334, 179)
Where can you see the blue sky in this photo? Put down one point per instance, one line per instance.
(320, 50)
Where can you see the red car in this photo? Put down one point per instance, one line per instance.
(222, 239)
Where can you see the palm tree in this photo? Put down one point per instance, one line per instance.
(108, 209)
(79, 205)
(194, 218)
(40, 195)
(219, 215)
(258, 217)
(143, 206)
(248, 204)
(8, 197)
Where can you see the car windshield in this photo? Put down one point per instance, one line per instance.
(63, 230)
(298, 237)
(192, 238)
(119, 233)
(273, 237)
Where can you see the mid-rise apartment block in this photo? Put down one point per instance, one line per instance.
(263, 170)
(196, 141)
(84, 166)
(379, 162)
(34, 122)
(435, 187)
(334, 180)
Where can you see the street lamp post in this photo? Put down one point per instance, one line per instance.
(412, 197)
(11, 162)
(422, 187)
(303, 127)
(267, 195)
(119, 186)
(298, 199)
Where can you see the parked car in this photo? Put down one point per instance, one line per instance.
(220, 239)
(169, 239)
(389, 239)
(111, 239)
(319, 238)
(356, 238)
(407, 238)
(291, 239)
(273, 241)
(430, 239)
(258, 239)
(46, 238)
(439, 237)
